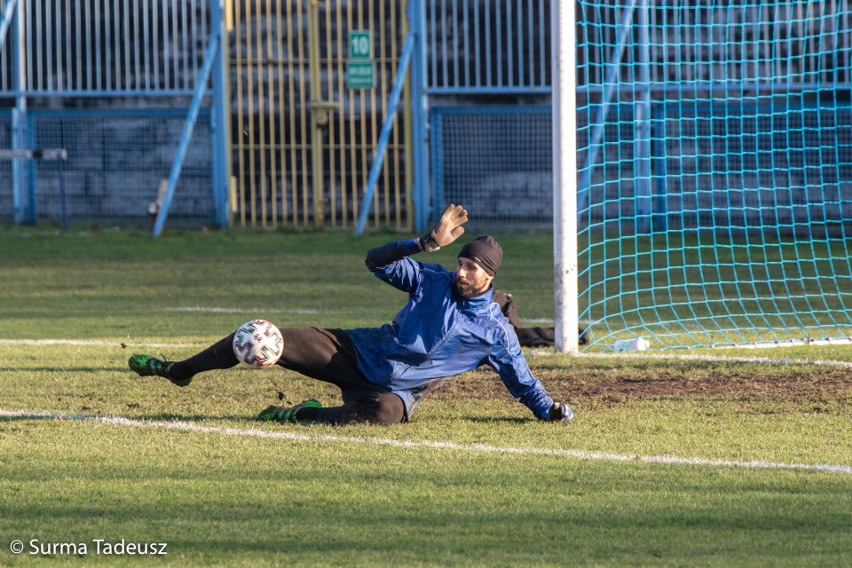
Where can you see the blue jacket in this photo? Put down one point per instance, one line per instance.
(437, 335)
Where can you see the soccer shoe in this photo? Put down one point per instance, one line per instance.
(282, 414)
(148, 366)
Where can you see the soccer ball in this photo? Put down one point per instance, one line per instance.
(258, 344)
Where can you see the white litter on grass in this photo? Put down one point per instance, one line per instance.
(485, 448)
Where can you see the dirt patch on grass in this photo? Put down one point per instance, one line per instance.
(817, 388)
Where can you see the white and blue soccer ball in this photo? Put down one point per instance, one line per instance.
(258, 344)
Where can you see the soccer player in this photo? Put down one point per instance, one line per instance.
(449, 325)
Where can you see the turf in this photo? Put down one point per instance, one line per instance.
(472, 480)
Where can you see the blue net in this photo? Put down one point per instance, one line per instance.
(715, 183)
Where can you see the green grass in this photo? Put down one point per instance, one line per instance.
(346, 495)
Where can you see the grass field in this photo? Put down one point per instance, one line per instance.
(675, 458)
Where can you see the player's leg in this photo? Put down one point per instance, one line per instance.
(323, 354)
(328, 355)
(359, 406)
(311, 351)
(220, 355)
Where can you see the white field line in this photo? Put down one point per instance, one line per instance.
(711, 358)
(217, 310)
(483, 448)
(93, 343)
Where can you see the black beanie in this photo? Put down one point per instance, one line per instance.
(484, 251)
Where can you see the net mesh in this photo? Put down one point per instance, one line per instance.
(716, 173)
(715, 170)
(495, 160)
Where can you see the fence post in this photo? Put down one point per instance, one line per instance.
(186, 133)
(23, 207)
(419, 104)
(220, 121)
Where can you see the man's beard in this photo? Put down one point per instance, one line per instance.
(466, 289)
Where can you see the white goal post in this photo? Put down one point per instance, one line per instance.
(564, 177)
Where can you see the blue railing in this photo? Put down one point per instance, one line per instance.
(142, 50)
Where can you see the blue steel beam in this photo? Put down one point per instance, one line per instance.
(384, 137)
(186, 134)
(220, 121)
(6, 20)
(419, 104)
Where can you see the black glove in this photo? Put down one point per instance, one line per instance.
(560, 412)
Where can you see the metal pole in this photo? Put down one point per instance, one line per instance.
(21, 205)
(564, 177)
(186, 133)
(642, 122)
(610, 87)
(419, 105)
(387, 125)
(6, 20)
(220, 120)
(319, 116)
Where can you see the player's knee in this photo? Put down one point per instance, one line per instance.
(385, 410)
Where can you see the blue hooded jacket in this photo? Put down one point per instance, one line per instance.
(438, 335)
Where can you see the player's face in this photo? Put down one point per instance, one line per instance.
(471, 279)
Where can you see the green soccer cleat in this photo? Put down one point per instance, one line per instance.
(148, 366)
(282, 414)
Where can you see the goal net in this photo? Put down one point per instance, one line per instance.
(715, 172)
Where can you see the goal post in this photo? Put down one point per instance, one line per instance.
(564, 177)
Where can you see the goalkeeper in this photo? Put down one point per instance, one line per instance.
(449, 325)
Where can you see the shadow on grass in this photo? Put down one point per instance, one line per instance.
(246, 420)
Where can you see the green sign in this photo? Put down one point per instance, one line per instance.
(360, 44)
(360, 75)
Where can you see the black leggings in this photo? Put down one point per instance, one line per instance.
(323, 354)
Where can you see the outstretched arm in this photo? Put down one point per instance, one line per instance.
(509, 362)
(447, 230)
(388, 253)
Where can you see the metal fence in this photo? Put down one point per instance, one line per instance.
(116, 161)
(91, 48)
(109, 83)
(303, 137)
(300, 139)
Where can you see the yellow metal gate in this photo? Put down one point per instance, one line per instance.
(302, 133)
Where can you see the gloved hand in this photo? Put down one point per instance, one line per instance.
(447, 230)
(449, 226)
(560, 412)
